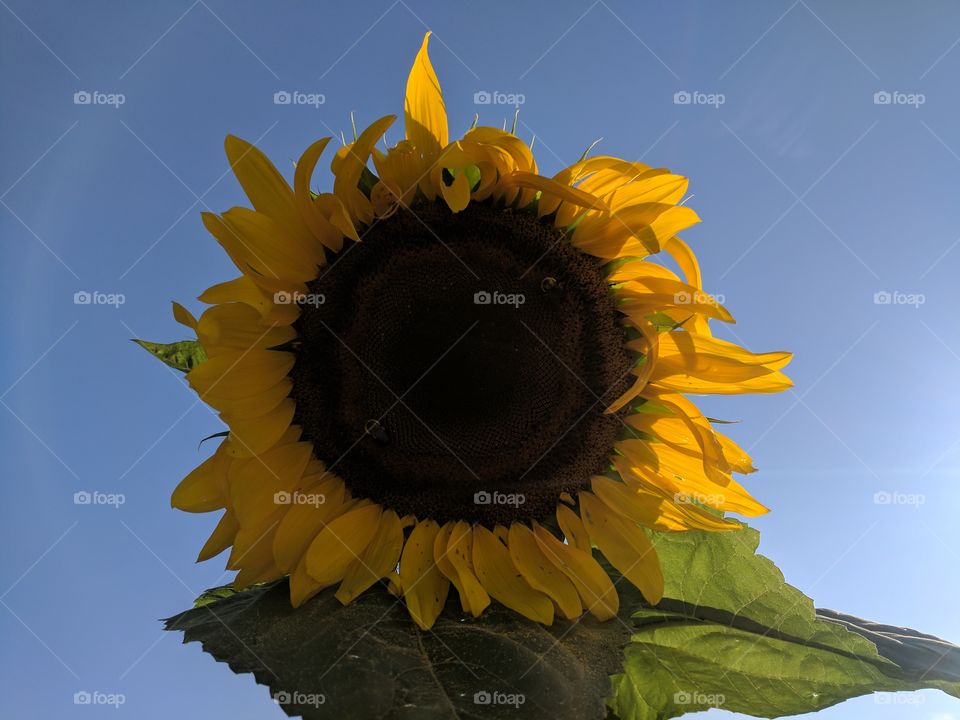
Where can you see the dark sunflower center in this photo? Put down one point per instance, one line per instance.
(456, 366)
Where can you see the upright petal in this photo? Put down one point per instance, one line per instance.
(424, 111)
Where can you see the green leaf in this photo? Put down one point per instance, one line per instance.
(183, 355)
(211, 595)
(734, 635)
(368, 660)
(730, 634)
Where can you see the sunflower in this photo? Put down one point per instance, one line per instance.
(455, 370)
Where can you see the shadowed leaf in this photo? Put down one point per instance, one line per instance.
(368, 660)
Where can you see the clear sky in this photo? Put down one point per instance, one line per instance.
(814, 199)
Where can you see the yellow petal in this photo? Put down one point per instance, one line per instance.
(424, 587)
(650, 294)
(237, 326)
(633, 269)
(503, 581)
(594, 586)
(691, 344)
(184, 316)
(625, 545)
(303, 172)
(252, 546)
(349, 167)
(244, 290)
(221, 538)
(687, 362)
(453, 551)
(204, 489)
(269, 193)
(552, 188)
(239, 374)
(614, 171)
(302, 586)
(311, 215)
(634, 231)
(687, 475)
(332, 208)
(655, 511)
(653, 187)
(424, 111)
(685, 258)
(252, 574)
(572, 528)
(644, 508)
(255, 435)
(340, 543)
(684, 428)
(457, 194)
(256, 405)
(378, 560)
(303, 521)
(540, 573)
(256, 482)
(268, 247)
(738, 458)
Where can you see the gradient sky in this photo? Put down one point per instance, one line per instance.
(814, 199)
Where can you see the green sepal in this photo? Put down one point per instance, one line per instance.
(183, 355)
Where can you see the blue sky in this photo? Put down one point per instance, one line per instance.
(820, 201)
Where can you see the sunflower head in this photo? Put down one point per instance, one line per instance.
(455, 370)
